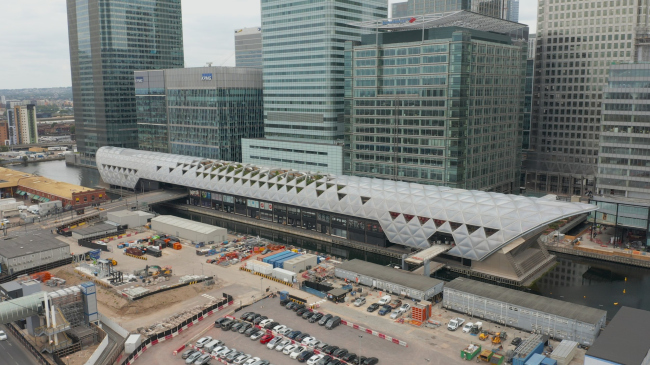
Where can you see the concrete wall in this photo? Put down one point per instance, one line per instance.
(105, 321)
(98, 352)
(523, 318)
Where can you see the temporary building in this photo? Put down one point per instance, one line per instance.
(187, 229)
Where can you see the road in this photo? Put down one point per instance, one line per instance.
(13, 352)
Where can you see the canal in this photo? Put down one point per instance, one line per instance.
(594, 283)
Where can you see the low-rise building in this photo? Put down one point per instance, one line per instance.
(25, 252)
(189, 230)
(624, 341)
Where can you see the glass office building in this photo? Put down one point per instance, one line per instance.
(503, 9)
(108, 41)
(303, 44)
(442, 106)
(201, 111)
(248, 47)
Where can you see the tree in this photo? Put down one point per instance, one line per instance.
(4, 148)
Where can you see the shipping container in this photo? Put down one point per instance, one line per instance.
(271, 257)
(300, 263)
(273, 260)
(280, 261)
(260, 267)
(284, 275)
(564, 352)
(262, 257)
(531, 346)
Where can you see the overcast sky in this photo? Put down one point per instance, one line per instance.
(34, 37)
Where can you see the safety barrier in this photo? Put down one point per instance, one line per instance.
(143, 257)
(94, 280)
(266, 276)
(375, 333)
(169, 334)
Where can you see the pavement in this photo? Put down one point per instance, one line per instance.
(13, 352)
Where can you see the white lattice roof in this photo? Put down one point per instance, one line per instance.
(479, 222)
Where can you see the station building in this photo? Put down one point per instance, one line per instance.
(486, 231)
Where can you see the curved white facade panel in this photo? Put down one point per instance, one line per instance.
(479, 222)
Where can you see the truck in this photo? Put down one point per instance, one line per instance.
(455, 323)
(468, 327)
(470, 352)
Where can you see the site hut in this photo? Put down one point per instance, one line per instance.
(97, 230)
(390, 280)
(129, 218)
(527, 312)
(189, 230)
(18, 253)
(624, 341)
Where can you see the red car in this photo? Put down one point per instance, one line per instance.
(266, 338)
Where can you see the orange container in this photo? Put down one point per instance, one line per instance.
(177, 246)
(256, 249)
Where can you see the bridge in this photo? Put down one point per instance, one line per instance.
(43, 144)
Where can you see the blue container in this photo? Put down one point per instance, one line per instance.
(276, 256)
(284, 295)
(522, 361)
(549, 361)
(280, 263)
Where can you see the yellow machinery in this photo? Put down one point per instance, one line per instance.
(111, 261)
(499, 337)
(483, 335)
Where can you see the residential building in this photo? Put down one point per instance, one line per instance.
(456, 95)
(108, 41)
(248, 47)
(4, 133)
(576, 43)
(21, 124)
(201, 111)
(303, 84)
(504, 9)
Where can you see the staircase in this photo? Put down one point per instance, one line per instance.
(514, 264)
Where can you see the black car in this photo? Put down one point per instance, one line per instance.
(371, 361)
(250, 331)
(325, 360)
(253, 317)
(336, 362)
(516, 341)
(304, 356)
(307, 315)
(226, 325)
(301, 311)
(271, 325)
(315, 317)
(324, 319)
(372, 307)
(284, 302)
(244, 327)
(340, 353)
(245, 315)
(330, 349)
(290, 305)
(259, 319)
(361, 360)
(219, 321)
(235, 327)
(349, 357)
(292, 335)
(298, 307)
(301, 337)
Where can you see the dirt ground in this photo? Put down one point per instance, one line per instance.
(132, 315)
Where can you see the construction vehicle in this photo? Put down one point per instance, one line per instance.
(485, 356)
(112, 261)
(483, 335)
(498, 337)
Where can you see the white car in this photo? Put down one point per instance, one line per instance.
(306, 340)
(279, 328)
(289, 349)
(468, 327)
(252, 361)
(285, 331)
(384, 300)
(282, 345)
(396, 314)
(314, 359)
(405, 307)
(274, 342)
(202, 341)
(222, 352)
(3, 336)
(313, 342)
(296, 352)
(265, 322)
(217, 349)
(241, 359)
(359, 302)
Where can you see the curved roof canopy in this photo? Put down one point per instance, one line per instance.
(410, 214)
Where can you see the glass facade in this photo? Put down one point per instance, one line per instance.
(504, 9)
(203, 111)
(445, 110)
(108, 41)
(248, 47)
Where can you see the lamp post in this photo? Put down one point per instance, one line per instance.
(261, 291)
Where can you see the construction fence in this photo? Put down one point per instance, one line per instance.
(169, 334)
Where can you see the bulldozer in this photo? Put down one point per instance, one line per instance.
(498, 337)
(483, 335)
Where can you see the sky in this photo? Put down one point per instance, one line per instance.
(34, 37)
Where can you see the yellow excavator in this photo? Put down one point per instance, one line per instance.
(483, 335)
(500, 336)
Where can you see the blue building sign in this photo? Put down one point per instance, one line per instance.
(139, 79)
(206, 77)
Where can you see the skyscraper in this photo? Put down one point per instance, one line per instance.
(199, 111)
(109, 39)
(438, 104)
(303, 47)
(576, 43)
(248, 47)
(21, 124)
(503, 9)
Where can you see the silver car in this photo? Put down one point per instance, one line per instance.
(204, 359)
(192, 358)
(242, 359)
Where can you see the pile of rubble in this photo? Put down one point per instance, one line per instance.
(170, 322)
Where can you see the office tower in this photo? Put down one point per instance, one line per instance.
(202, 111)
(455, 94)
(494, 8)
(528, 98)
(4, 133)
(576, 43)
(303, 81)
(513, 10)
(532, 45)
(248, 47)
(21, 124)
(108, 41)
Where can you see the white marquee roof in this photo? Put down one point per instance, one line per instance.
(480, 222)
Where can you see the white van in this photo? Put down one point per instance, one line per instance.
(384, 300)
(211, 345)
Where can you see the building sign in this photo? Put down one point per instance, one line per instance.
(139, 80)
(253, 203)
(194, 193)
(266, 206)
(399, 21)
(206, 77)
(205, 194)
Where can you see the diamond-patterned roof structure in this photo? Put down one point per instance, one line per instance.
(410, 214)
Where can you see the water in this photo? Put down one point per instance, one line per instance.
(58, 170)
(594, 283)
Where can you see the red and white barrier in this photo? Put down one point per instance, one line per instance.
(375, 333)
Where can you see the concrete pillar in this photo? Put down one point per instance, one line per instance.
(404, 267)
(427, 269)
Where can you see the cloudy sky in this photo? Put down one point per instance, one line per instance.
(34, 37)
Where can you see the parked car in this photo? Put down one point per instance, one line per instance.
(257, 335)
(340, 353)
(245, 315)
(359, 302)
(192, 358)
(271, 325)
(314, 359)
(241, 359)
(396, 314)
(203, 341)
(330, 349)
(371, 361)
(384, 300)
(297, 351)
(325, 360)
(252, 360)
(274, 342)
(235, 327)
(301, 311)
(279, 327)
(265, 322)
(307, 315)
(232, 356)
(316, 317)
(301, 337)
(259, 319)
(324, 320)
(305, 341)
(395, 303)
(289, 349)
(304, 356)
(349, 357)
(249, 332)
(290, 305)
(468, 327)
(321, 345)
(455, 323)
(285, 331)
(284, 302)
(203, 359)
(293, 335)
(384, 310)
(516, 341)
(187, 353)
(298, 307)
(266, 338)
(218, 322)
(405, 307)
(244, 327)
(227, 325)
(333, 323)
(280, 346)
(372, 307)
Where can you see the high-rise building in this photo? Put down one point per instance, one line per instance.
(532, 45)
(201, 111)
(248, 47)
(303, 48)
(495, 8)
(21, 124)
(4, 133)
(3, 100)
(108, 41)
(576, 43)
(438, 104)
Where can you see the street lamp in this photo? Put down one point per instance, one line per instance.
(261, 291)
